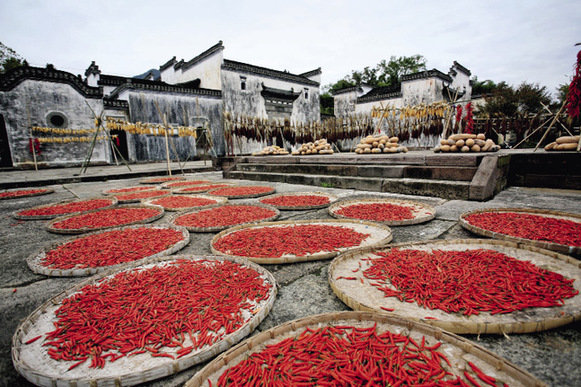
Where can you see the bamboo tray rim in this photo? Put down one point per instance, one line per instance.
(312, 257)
(218, 199)
(164, 193)
(173, 218)
(566, 249)
(45, 191)
(493, 325)
(34, 260)
(154, 180)
(164, 366)
(168, 184)
(332, 198)
(50, 228)
(468, 350)
(17, 215)
(422, 218)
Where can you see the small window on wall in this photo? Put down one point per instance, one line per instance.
(242, 83)
(306, 93)
(57, 120)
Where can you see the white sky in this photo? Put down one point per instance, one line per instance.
(501, 40)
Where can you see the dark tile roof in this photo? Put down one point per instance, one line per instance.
(262, 71)
(462, 68)
(426, 74)
(217, 47)
(14, 77)
(381, 93)
(162, 87)
(346, 90)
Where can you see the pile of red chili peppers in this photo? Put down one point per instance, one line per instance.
(130, 189)
(179, 184)
(141, 195)
(107, 218)
(240, 191)
(111, 248)
(296, 200)
(24, 192)
(158, 310)
(467, 282)
(529, 226)
(182, 202)
(299, 240)
(350, 356)
(224, 216)
(67, 208)
(380, 212)
(202, 188)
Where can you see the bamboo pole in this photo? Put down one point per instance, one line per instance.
(550, 126)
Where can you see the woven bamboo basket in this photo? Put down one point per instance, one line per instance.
(18, 214)
(380, 235)
(422, 212)
(161, 180)
(360, 295)
(32, 361)
(173, 218)
(214, 192)
(45, 191)
(159, 194)
(189, 183)
(566, 249)
(137, 188)
(458, 350)
(50, 226)
(332, 199)
(216, 199)
(34, 261)
(201, 189)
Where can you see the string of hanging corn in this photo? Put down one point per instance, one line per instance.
(142, 128)
(65, 140)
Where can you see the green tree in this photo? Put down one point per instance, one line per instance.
(507, 101)
(482, 87)
(327, 104)
(385, 73)
(9, 59)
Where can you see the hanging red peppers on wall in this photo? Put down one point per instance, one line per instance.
(573, 102)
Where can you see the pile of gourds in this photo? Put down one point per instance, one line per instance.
(466, 142)
(379, 144)
(271, 150)
(564, 143)
(320, 147)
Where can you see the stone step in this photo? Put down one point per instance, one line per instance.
(424, 187)
(385, 171)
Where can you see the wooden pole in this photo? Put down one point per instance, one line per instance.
(550, 126)
(31, 139)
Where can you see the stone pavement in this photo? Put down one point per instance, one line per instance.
(553, 356)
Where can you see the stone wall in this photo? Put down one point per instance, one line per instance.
(40, 99)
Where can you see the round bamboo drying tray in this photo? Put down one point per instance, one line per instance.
(184, 183)
(173, 218)
(50, 226)
(32, 361)
(134, 189)
(380, 235)
(422, 212)
(160, 194)
(45, 191)
(332, 199)
(17, 215)
(544, 245)
(161, 180)
(202, 188)
(360, 295)
(35, 260)
(216, 199)
(458, 350)
(214, 192)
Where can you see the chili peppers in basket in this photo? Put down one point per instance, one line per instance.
(467, 282)
(155, 309)
(107, 218)
(296, 200)
(67, 208)
(299, 240)
(224, 216)
(380, 212)
(529, 226)
(345, 355)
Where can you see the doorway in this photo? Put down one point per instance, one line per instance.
(5, 155)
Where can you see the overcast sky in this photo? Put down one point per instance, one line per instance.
(506, 40)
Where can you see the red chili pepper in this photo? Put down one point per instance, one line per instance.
(240, 191)
(19, 193)
(130, 189)
(380, 212)
(107, 218)
(67, 208)
(296, 200)
(182, 201)
(224, 216)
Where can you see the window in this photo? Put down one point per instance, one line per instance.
(57, 120)
(306, 93)
(242, 83)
